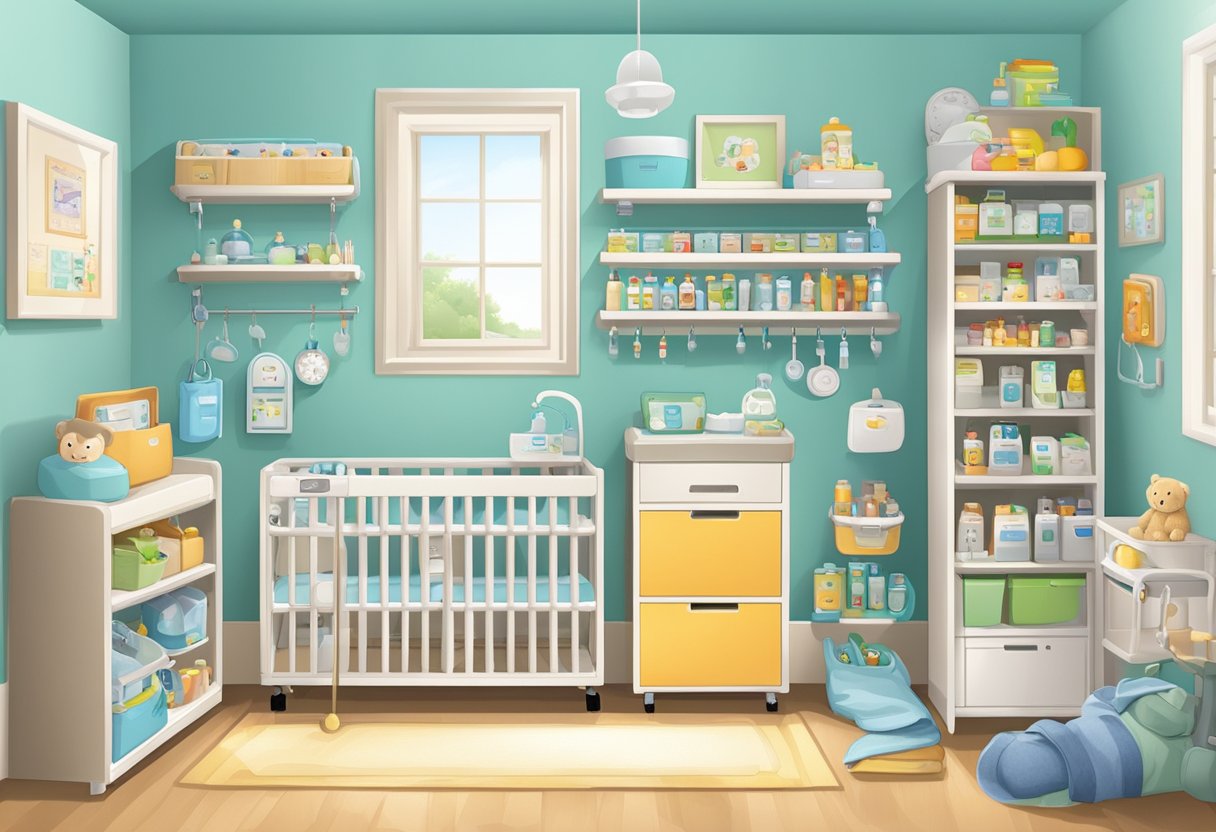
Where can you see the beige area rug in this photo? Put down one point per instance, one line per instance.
(514, 751)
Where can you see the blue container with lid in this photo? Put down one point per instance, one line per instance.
(646, 162)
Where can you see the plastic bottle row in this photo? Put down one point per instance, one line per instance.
(763, 293)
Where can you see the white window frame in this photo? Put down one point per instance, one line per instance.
(1198, 264)
(401, 116)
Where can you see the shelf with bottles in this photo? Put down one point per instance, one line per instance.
(743, 196)
(747, 260)
(234, 258)
(710, 249)
(266, 273)
(729, 323)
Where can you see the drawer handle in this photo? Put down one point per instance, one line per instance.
(1024, 648)
(713, 489)
(707, 607)
(710, 514)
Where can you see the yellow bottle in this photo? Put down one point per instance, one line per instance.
(827, 292)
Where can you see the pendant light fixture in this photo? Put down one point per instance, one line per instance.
(639, 91)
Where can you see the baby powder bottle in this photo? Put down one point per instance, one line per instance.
(650, 285)
(836, 145)
(745, 295)
(668, 296)
(876, 301)
(633, 295)
(785, 294)
(688, 293)
(806, 293)
(842, 498)
(612, 296)
(764, 292)
(728, 292)
(713, 292)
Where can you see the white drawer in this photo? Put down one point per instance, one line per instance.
(710, 482)
(1025, 672)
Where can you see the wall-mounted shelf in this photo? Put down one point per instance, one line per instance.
(262, 273)
(727, 323)
(1030, 248)
(1045, 352)
(1033, 179)
(1023, 480)
(744, 196)
(1029, 306)
(793, 259)
(1003, 567)
(266, 194)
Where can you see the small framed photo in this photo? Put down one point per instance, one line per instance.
(62, 219)
(740, 151)
(1142, 211)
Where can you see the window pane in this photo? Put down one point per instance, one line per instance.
(448, 166)
(449, 231)
(513, 303)
(451, 303)
(513, 232)
(513, 167)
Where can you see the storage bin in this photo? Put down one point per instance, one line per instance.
(176, 619)
(867, 535)
(133, 661)
(983, 600)
(1077, 538)
(1046, 599)
(146, 452)
(201, 170)
(646, 162)
(184, 547)
(129, 570)
(137, 719)
(1024, 672)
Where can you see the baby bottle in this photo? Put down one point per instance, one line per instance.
(236, 243)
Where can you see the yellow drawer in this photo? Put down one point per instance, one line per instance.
(710, 645)
(706, 553)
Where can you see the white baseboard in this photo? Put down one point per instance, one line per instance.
(3, 730)
(910, 639)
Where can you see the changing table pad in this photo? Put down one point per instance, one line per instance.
(586, 592)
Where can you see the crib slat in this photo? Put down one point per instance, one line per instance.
(293, 636)
(489, 569)
(424, 584)
(468, 585)
(385, 573)
(448, 629)
(361, 523)
(312, 593)
(576, 594)
(551, 503)
(510, 584)
(531, 584)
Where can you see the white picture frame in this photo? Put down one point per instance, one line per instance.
(1138, 227)
(62, 219)
(768, 173)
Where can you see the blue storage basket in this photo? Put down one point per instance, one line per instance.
(646, 162)
(176, 619)
(138, 720)
(104, 480)
(133, 661)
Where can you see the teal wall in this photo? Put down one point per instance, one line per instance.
(324, 87)
(1133, 71)
(69, 63)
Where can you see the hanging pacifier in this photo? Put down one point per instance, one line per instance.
(741, 344)
(765, 343)
(844, 349)
(637, 343)
(613, 346)
(255, 331)
(692, 340)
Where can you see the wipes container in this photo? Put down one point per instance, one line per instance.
(876, 425)
(177, 619)
(646, 162)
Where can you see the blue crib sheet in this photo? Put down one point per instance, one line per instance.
(586, 592)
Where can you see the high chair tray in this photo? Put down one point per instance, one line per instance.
(642, 446)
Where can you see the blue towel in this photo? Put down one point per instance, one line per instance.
(879, 700)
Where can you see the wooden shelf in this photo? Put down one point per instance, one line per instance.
(727, 323)
(744, 196)
(1032, 178)
(266, 194)
(793, 259)
(262, 273)
(121, 599)
(1028, 306)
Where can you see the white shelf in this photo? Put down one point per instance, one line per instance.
(262, 273)
(726, 323)
(1012, 248)
(792, 259)
(163, 498)
(990, 407)
(1032, 178)
(1014, 631)
(1149, 656)
(986, 567)
(179, 719)
(121, 599)
(744, 196)
(187, 649)
(1016, 713)
(265, 194)
(1029, 306)
(1024, 480)
(1040, 351)
(863, 622)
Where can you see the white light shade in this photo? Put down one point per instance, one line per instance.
(639, 91)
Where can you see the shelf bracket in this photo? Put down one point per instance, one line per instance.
(624, 208)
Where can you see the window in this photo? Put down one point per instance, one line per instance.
(1198, 219)
(477, 232)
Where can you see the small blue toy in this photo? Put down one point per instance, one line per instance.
(80, 471)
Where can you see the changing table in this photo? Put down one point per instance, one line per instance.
(710, 523)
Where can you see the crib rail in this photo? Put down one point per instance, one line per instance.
(432, 571)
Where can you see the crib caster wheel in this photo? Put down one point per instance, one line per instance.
(770, 703)
(593, 701)
(278, 701)
(648, 703)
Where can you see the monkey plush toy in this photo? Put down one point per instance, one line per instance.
(81, 471)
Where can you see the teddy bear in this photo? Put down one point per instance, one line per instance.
(1166, 518)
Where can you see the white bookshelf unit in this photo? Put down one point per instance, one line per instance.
(1005, 670)
(60, 614)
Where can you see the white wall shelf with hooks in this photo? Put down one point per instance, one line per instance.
(793, 259)
(744, 196)
(728, 323)
(262, 273)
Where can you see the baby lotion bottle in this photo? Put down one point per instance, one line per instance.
(668, 295)
(713, 293)
(633, 295)
(612, 299)
(842, 294)
(875, 297)
(860, 286)
(842, 498)
(688, 293)
(785, 294)
(745, 295)
(728, 292)
(806, 293)
(827, 292)
(764, 292)
(650, 285)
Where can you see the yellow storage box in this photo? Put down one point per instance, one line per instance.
(867, 535)
(710, 553)
(201, 170)
(142, 444)
(184, 544)
(710, 645)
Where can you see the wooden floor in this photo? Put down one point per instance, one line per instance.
(149, 798)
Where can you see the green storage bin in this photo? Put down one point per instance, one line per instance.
(129, 570)
(983, 600)
(1046, 599)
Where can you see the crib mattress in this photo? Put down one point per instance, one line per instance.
(586, 591)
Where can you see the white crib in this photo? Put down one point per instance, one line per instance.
(458, 572)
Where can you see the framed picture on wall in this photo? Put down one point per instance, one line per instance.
(62, 219)
(740, 151)
(1142, 211)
